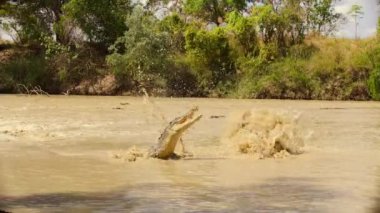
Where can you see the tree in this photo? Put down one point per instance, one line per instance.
(209, 56)
(356, 11)
(281, 27)
(310, 15)
(103, 21)
(32, 19)
(175, 27)
(243, 36)
(140, 56)
(213, 10)
(321, 16)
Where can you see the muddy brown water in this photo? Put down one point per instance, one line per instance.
(56, 155)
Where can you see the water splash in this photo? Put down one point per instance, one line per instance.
(265, 133)
(130, 155)
(155, 111)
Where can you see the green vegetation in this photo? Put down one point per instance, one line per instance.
(212, 48)
(318, 69)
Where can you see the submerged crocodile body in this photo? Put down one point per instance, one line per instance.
(172, 134)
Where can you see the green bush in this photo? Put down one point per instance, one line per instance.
(374, 83)
(72, 67)
(6, 83)
(182, 81)
(208, 54)
(174, 26)
(140, 57)
(242, 35)
(28, 71)
(286, 79)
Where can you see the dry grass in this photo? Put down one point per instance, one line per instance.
(337, 69)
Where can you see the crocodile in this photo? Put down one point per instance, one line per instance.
(168, 140)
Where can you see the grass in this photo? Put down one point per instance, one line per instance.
(323, 68)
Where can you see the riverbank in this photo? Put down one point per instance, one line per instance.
(319, 69)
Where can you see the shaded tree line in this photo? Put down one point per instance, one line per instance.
(181, 48)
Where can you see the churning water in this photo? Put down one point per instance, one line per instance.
(57, 154)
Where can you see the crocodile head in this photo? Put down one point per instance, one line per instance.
(182, 123)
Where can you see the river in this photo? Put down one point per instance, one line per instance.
(57, 155)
